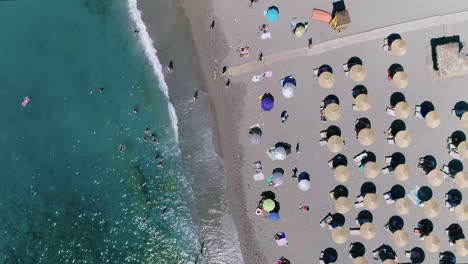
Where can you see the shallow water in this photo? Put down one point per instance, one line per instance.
(68, 195)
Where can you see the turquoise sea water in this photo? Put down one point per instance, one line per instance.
(67, 194)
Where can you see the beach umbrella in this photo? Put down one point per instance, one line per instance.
(402, 206)
(403, 139)
(278, 178)
(343, 205)
(433, 119)
(267, 102)
(357, 73)
(335, 144)
(402, 172)
(372, 170)
(342, 173)
(268, 205)
(326, 80)
(340, 235)
(303, 185)
(461, 247)
(461, 180)
(435, 177)
(447, 257)
(371, 201)
(299, 31)
(398, 47)
(390, 261)
(362, 102)
(333, 111)
(366, 136)
(368, 231)
(463, 149)
(280, 153)
(289, 90)
(274, 217)
(360, 260)
(461, 212)
(464, 119)
(417, 255)
(400, 238)
(255, 135)
(400, 79)
(272, 14)
(402, 110)
(432, 243)
(431, 209)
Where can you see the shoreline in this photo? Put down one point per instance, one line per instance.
(227, 113)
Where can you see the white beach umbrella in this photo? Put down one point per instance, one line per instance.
(326, 80)
(342, 173)
(402, 172)
(340, 235)
(403, 139)
(289, 90)
(357, 73)
(433, 119)
(461, 180)
(362, 102)
(400, 238)
(398, 47)
(432, 243)
(371, 201)
(278, 178)
(464, 119)
(461, 212)
(332, 111)
(461, 247)
(402, 206)
(372, 170)
(400, 79)
(335, 144)
(431, 208)
(343, 205)
(280, 153)
(303, 185)
(366, 136)
(368, 231)
(435, 177)
(402, 110)
(463, 149)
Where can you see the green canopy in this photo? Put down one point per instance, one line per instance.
(268, 205)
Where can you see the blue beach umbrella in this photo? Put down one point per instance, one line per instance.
(267, 102)
(274, 217)
(272, 14)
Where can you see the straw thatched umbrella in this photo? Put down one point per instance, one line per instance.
(461, 247)
(398, 47)
(435, 177)
(403, 139)
(461, 180)
(343, 205)
(390, 261)
(400, 79)
(433, 119)
(431, 208)
(362, 102)
(432, 243)
(402, 110)
(464, 119)
(340, 235)
(357, 73)
(400, 238)
(360, 260)
(371, 201)
(463, 149)
(366, 136)
(372, 170)
(342, 173)
(402, 206)
(335, 144)
(326, 80)
(333, 111)
(402, 172)
(461, 212)
(368, 231)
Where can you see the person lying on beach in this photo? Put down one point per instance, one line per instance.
(280, 239)
(243, 51)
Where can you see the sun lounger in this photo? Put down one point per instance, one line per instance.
(390, 111)
(385, 170)
(322, 142)
(316, 72)
(388, 159)
(323, 134)
(359, 204)
(455, 154)
(355, 231)
(417, 111)
(391, 141)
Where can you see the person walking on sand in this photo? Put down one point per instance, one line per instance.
(195, 95)
(212, 24)
(223, 72)
(294, 172)
(297, 148)
(284, 116)
(171, 66)
(310, 43)
(228, 82)
(260, 56)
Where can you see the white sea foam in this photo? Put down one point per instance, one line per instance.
(150, 52)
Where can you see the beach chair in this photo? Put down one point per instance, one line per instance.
(417, 111)
(322, 142)
(390, 111)
(385, 170)
(355, 231)
(358, 204)
(388, 159)
(454, 153)
(412, 195)
(355, 108)
(346, 69)
(446, 170)
(323, 134)
(391, 140)
(360, 156)
(316, 71)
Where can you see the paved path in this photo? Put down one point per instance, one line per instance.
(378, 33)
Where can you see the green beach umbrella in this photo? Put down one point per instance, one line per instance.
(268, 205)
(299, 31)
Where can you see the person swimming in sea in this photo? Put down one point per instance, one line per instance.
(122, 148)
(147, 131)
(135, 110)
(171, 66)
(101, 89)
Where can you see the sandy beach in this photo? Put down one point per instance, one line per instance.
(237, 108)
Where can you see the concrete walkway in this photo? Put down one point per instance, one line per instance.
(379, 33)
